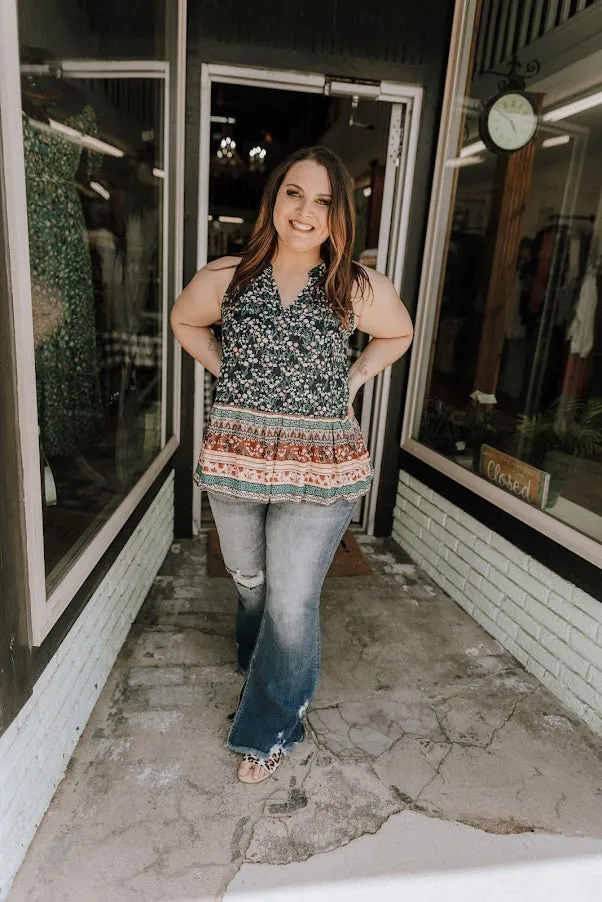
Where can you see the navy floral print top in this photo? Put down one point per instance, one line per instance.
(284, 359)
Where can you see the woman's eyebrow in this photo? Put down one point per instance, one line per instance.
(294, 185)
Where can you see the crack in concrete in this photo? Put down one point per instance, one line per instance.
(436, 774)
(237, 837)
(515, 708)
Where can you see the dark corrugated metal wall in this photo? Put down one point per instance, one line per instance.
(405, 31)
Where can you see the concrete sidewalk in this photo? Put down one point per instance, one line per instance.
(434, 764)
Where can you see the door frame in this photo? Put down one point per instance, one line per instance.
(393, 233)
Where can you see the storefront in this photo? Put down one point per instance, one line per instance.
(500, 497)
(91, 198)
(135, 140)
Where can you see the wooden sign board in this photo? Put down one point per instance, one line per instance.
(514, 476)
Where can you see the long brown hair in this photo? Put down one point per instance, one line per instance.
(343, 277)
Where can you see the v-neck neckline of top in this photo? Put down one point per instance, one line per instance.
(314, 273)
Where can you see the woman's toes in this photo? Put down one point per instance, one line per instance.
(245, 768)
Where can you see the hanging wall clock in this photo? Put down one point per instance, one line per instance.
(508, 121)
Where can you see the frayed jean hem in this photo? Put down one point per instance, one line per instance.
(246, 750)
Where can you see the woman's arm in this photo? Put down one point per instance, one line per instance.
(386, 319)
(198, 307)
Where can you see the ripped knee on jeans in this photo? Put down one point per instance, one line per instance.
(247, 581)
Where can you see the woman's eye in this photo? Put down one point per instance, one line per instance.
(324, 202)
(292, 193)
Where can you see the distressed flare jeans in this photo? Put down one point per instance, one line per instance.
(278, 555)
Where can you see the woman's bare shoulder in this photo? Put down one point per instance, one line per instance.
(375, 278)
(223, 263)
(201, 301)
(365, 289)
(218, 274)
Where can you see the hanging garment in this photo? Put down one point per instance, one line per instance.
(130, 334)
(68, 390)
(515, 328)
(577, 376)
(581, 330)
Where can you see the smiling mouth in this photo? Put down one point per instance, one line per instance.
(301, 226)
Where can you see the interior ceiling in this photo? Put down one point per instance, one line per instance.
(128, 17)
(379, 31)
(582, 77)
(258, 110)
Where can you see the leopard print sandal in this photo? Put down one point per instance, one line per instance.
(246, 770)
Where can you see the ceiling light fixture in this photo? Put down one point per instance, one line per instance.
(235, 220)
(159, 173)
(459, 162)
(71, 134)
(96, 186)
(470, 149)
(571, 109)
(556, 141)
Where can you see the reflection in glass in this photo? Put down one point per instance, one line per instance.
(95, 29)
(95, 181)
(517, 362)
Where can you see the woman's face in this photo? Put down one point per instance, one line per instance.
(301, 208)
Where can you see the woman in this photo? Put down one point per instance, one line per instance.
(283, 457)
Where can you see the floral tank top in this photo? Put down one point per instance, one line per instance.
(279, 429)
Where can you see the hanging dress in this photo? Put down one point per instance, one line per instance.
(279, 429)
(67, 378)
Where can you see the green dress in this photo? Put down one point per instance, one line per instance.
(67, 377)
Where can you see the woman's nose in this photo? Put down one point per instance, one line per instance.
(302, 207)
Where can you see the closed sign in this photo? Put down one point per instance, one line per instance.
(515, 476)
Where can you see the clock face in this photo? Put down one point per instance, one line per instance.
(511, 121)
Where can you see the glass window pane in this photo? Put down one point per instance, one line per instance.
(95, 174)
(92, 29)
(514, 388)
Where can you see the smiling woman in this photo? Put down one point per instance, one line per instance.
(283, 457)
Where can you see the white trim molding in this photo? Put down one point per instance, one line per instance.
(46, 606)
(441, 198)
(13, 165)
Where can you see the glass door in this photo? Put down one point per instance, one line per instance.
(251, 120)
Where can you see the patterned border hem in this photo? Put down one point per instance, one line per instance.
(284, 493)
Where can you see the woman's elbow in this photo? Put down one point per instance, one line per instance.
(405, 340)
(174, 320)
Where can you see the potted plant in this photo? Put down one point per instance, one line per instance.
(479, 426)
(555, 439)
(438, 427)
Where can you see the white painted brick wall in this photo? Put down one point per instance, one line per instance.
(551, 626)
(35, 749)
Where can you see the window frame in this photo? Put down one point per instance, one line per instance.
(46, 607)
(440, 212)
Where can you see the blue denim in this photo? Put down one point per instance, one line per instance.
(278, 555)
